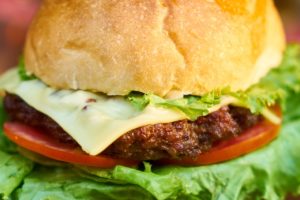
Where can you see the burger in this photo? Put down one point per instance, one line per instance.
(153, 100)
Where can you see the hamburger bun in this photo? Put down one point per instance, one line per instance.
(168, 48)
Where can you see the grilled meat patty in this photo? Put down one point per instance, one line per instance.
(180, 139)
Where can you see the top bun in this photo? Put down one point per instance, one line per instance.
(164, 47)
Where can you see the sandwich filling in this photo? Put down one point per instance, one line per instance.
(143, 127)
(180, 139)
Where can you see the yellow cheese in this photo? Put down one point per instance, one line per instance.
(94, 120)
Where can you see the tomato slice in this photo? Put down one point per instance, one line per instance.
(45, 145)
(251, 140)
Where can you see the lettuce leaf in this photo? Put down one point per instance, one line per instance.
(191, 106)
(13, 169)
(24, 75)
(64, 184)
(267, 92)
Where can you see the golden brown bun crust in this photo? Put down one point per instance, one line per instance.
(166, 47)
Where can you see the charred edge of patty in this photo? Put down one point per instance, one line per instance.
(180, 139)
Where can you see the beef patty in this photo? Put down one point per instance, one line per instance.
(180, 139)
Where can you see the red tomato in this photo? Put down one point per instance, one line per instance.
(252, 139)
(45, 145)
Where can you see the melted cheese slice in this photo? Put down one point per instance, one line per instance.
(94, 120)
